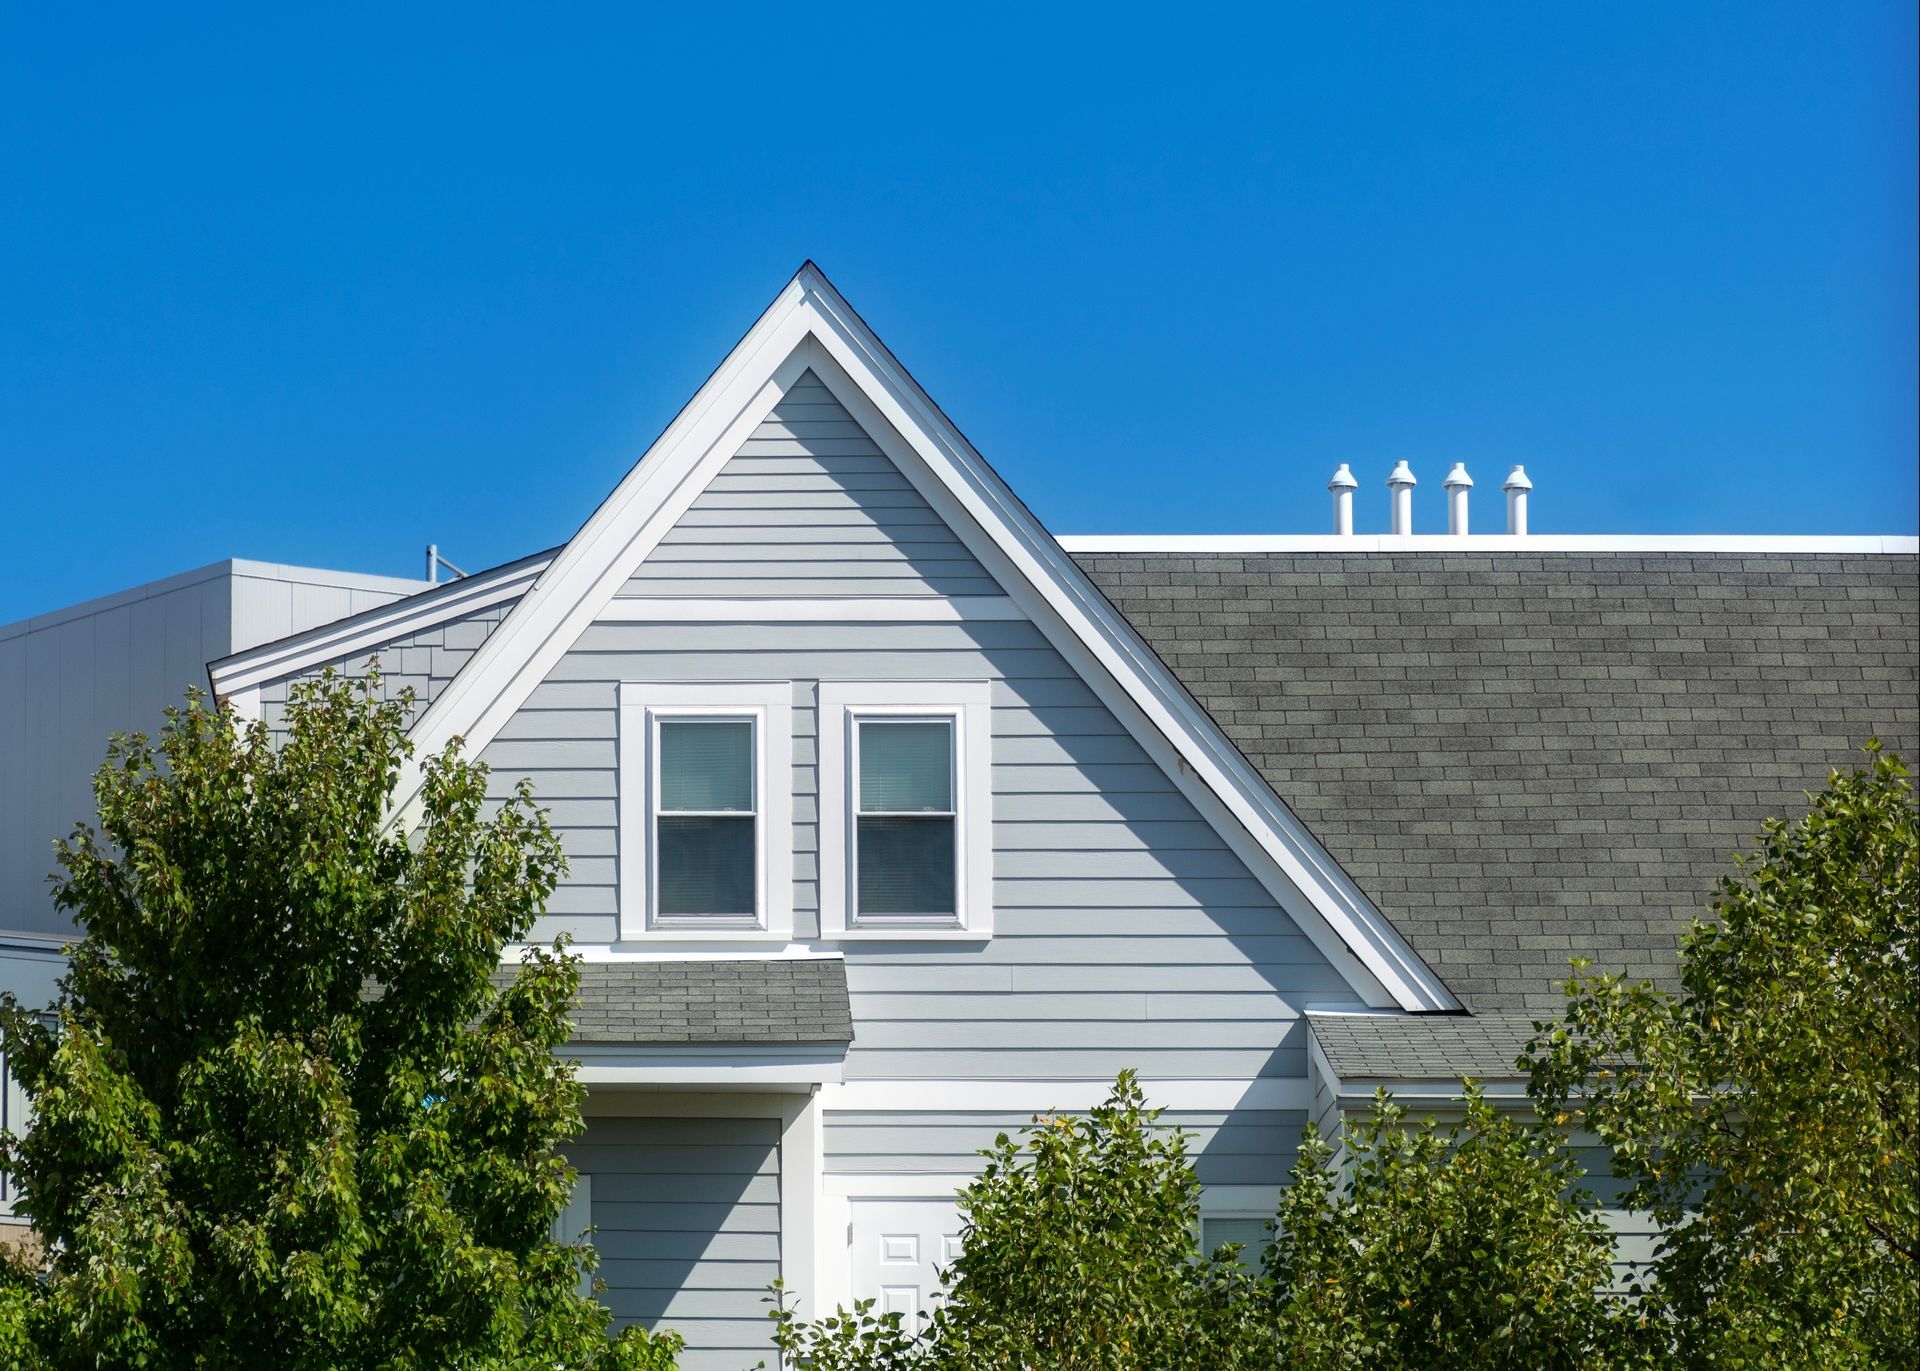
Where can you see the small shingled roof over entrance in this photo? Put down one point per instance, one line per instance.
(734, 1003)
(1422, 1046)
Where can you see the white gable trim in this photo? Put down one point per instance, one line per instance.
(1077, 619)
(370, 631)
(809, 326)
(603, 555)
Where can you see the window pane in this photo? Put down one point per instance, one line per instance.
(706, 865)
(907, 766)
(1252, 1235)
(706, 764)
(906, 866)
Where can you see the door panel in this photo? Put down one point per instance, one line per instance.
(899, 1248)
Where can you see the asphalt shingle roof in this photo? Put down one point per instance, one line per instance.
(1523, 757)
(1431, 1046)
(713, 1003)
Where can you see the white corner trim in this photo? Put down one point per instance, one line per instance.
(372, 629)
(574, 1223)
(807, 326)
(1037, 1097)
(643, 704)
(247, 705)
(900, 609)
(1229, 543)
(970, 704)
(802, 1171)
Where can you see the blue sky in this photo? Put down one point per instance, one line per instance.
(320, 285)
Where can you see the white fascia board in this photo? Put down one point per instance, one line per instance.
(587, 573)
(697, 1068)
(372, 629)
(1229, 543)
(1037, 1097)
(809, 326)
(1358, 1093)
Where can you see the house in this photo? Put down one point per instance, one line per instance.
(894, 819)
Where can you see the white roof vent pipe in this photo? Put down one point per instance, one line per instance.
(1458, 485)
(1343, 485)
(1400, 481)
(1517, 485)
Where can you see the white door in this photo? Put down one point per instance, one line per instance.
(899, 1248)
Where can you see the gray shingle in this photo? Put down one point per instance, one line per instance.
(712, 1003)
(1423, 1046)
(1526, 756)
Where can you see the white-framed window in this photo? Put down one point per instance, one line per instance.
(1249, 1231)
(706, 810)
(906, 809)
(574, 1224)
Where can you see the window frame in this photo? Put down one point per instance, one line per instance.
(644, 706)
(856, 727)
(657, 721)
(842, 707)
(1230, 1213)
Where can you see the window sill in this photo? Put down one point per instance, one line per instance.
(685, 933)
(906, 933)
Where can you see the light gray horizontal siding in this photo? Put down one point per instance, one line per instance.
(1238, 1147)
(1127, 932)
(687, 1213)
(810, 506)
(1112, 895)
(1635, 1234)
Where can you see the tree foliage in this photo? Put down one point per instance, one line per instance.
(1471, 1247)
(1767, 1113)
(1080, 1250)
(283, 1116)
(1766, 1116)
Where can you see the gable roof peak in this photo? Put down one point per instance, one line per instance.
(809, 326)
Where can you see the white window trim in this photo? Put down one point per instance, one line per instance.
(574, 1224)
(1228, 1209)
(970, 704)
(770, 705)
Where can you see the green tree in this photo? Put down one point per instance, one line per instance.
(1080, 1251)
(1468, 1247)
(1766, 1114)
(283, 1116)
